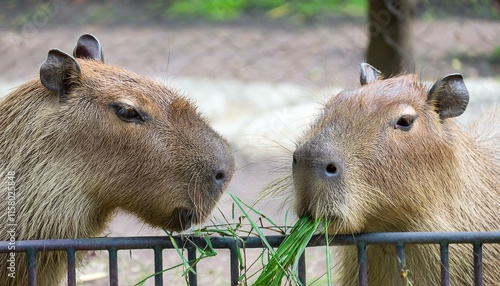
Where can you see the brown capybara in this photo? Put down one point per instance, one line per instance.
(85, 139)
(389, 157)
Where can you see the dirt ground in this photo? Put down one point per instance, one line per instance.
(311, 56)
(308, 55)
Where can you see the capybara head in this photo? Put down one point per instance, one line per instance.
(128, 142)
(380, 154)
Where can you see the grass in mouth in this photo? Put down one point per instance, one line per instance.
(284, 261)
(281, 262)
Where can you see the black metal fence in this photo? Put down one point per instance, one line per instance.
(159, 243)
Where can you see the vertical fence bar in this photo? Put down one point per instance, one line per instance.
(113, 266)
(31, 266)
(158, 265)
(400, 251)
(193, 279)
(302, 268)
(363, 271)
(445, 264)
(71, 253)
(233, 257)
(478, 264)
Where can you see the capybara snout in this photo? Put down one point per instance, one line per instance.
(322, 163)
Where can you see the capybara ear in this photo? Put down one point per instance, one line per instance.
(59, 72)
(449, 96)
(88, 47)
(369, 74)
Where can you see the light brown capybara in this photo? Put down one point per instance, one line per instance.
(85, 139)
(389, 157)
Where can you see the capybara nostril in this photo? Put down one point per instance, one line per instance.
(328, 170)
(331, 170)
(316, 160)
(223, 170)
(220, 177)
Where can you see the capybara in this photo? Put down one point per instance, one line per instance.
(86, 139)
(390, 157)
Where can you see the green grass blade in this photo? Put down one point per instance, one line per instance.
(288, 253)
(258, 212)
(261, 235)
(140, 283)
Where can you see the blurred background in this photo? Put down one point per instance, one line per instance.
(259, 70)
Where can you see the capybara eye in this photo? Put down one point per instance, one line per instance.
(405, 122)
(127, 113)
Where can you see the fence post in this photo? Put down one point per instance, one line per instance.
(400, 250)
(233, 255)
(362, 272)
(478, 264)
(193, 279)
(71, 266)
(31, 266)
(158, 265)
(445, 264)
(113, 267)
(302, 268)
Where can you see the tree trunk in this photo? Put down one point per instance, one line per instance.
(390, 48)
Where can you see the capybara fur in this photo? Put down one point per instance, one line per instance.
(85, 139)
(390, 157)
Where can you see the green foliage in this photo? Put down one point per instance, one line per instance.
(275, 264)
(313, 8)
(100, 13)
(288, 253)
(40, 12)
(221, 10)
(496, 54)
(208, 9)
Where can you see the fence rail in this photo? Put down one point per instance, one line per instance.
(158, 243)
